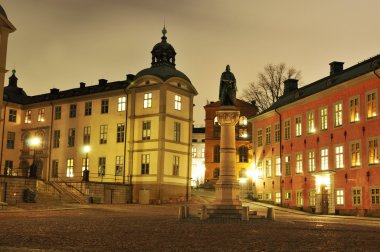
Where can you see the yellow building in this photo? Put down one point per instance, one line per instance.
(137, 131)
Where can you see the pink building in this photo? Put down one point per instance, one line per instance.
(317, 147)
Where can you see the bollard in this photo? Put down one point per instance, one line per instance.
(270, 214)
(204, 213)
(181, 213)
(245, 213)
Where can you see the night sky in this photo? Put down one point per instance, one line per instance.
(59, 43)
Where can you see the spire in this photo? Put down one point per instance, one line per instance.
(13, 79)
(164, 31)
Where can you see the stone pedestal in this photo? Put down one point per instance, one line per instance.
(227, 203)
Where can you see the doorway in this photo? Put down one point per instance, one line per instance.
(325, 200)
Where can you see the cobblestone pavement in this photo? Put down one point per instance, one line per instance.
(156, 228)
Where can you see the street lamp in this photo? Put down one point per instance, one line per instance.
(86, 172)
(34, 142)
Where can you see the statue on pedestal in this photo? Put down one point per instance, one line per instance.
(227, 88)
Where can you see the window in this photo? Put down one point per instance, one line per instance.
(147, 100)
(177, 132)
(298, 122)
(12, 115)
(339, 160)
(71, 138)
(120, 128)
(371, 105)
(260, 169)
(88, 108)
(299, 198)
(278, 198)
(356, 196)
(85, 164)
(145, 160)
(86, 135)
(355, 154)
(104, 106)
(373, 151)
(102, 166)
(216, 154)
(243, 154)
(260, 196)
(177, 102)
(119, 164)
(259, 137)
(338, 114)
(56, 138)
(146, 130)
(216, 128)
(268, 168)
(354, 109)
(312, 198)
(288, 171)
(203, 153)
(57, 112)
(41, 115)
(277, 133)
(267, 135)
(278, 166)
(70, 168)
(54, 173)
(216, 173)
(194, 152)
(8, 168)
(299, 163)
(323, 123)
(121, 104)
(375, 196)
(103, 134)
(288, 195)
(176, 166)
(324, 159)
(268, 196)
(243, 121)
(287, 130)
(73, 110)
(28, 116)
(11, 140)
(340, 197)
(311, 161)
(243, 132)
(310, 123)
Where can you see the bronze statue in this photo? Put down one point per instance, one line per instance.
(227, 88)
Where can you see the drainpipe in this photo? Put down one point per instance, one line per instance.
(2, 142)
(125, 135)
(51, 141)
(281, 200)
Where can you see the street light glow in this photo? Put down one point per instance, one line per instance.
(86, 148)
(34, 141)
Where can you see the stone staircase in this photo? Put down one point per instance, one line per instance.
(51, 192)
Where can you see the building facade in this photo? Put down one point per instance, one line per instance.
(243, 140)
(198, 157)
(135, 131)
(317, 147)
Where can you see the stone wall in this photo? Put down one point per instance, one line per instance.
(12, 188)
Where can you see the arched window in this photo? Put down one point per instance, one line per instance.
(216, 173)
(216, 127)
(243, 154)
(216, 154)
(243, 121)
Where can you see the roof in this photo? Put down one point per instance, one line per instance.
(238, 104)
(199, 130)
(325, 83)
(2, 12)
(163, 71)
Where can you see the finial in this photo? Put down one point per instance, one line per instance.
(14, 71)
(164, 31)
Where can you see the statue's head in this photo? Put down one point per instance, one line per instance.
(228, 68)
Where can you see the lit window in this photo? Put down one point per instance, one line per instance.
(145, 161)
(310, 123)
(288, 171)
(371, 105)
(298, 122)
(259, 137)
(148, 100)
(339, 157)
(268, 196)
(243, 132)
(268, 168)
(260, 169)
(243, 121)
(311, 161)
(323, 123)
(12, 115)
(177, 102)
(203, 153)
(102, 166)
(278, 166)
(41, 115)
(70, 168)
(340, 197)
(86, 135)
(146, 130)
(299, 198)
(324, 159)
(288, 195)
(354, 109)
(88, 108)
(356, 196)
(119, 165)
(373, 151)
(338, 114)
(277, 132)
(103, 134)
(278, 198)
(312, 198)
(299, 163)
(375, 196)
(287, 130)
(176, 166)
(28, 116)
(121, 103)
(355, 154)
(268, 135)
(194, 152)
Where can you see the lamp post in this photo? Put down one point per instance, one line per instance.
(34, 142)
(86, 172)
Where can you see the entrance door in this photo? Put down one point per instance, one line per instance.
(325, 200)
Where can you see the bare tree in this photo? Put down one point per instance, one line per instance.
(269, 85)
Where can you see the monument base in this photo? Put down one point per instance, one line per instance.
(224, 212)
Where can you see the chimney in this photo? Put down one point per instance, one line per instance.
(54, 91)
(336, 67)
(130, 77)
(103, 81)
(82, 85)
(290, 85)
